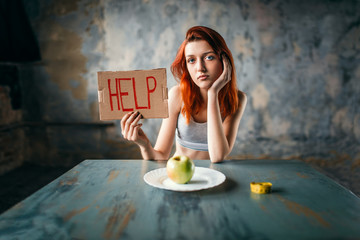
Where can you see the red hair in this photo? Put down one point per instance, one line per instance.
(190, 92)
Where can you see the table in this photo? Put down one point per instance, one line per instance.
(108, 199)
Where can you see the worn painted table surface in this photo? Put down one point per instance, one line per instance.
(108, 199)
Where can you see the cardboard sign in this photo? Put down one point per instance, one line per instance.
(129, 91)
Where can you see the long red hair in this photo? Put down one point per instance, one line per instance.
(190, 92)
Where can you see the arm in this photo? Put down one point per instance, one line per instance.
(132, 131)
(166, 135)
(222, 135)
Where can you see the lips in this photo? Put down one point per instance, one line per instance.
(203, 77)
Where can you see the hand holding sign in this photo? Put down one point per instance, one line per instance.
(131, 129)
(128, 91)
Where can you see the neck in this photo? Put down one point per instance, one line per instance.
(204, 96)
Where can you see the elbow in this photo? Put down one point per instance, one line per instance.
(218, 154)
(217, 159)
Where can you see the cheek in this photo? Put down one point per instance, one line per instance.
(191, 71)
(218, 69)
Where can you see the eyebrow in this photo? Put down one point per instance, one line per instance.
(205, 53)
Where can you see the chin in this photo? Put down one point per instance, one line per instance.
(204, 85)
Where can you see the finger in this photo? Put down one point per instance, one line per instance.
(225, 64)
(125, 125)
(130, 131)
(123, 121)
(137, 118)
(133, 124)
(228, 67)
(128, 121)
(135, 133)
(224, 73)
(229, 72)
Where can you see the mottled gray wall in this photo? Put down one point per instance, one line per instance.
(298, 62)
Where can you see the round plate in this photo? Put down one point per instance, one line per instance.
(203, 178)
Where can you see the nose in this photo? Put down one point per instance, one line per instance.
(200, 66)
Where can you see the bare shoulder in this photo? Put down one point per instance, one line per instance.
(175, 91)
(242, 100)
(242, 96)
(175, 99)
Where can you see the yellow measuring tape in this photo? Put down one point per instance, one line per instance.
(260, 187)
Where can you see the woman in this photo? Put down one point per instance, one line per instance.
(205, 109)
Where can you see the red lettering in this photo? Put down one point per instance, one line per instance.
(150, 90)
(119, 94)
(135, 97)
(124, 94)
(113, 94)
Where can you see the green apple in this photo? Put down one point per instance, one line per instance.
(180, 169)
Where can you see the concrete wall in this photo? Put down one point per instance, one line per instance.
(298, 62)
(12, 137)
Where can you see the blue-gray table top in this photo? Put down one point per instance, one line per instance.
(108, 199)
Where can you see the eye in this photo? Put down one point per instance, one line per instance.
(210, 57)
(191, 60)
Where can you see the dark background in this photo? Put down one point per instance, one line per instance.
(298, 62)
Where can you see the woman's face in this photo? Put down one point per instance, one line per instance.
(203, 64)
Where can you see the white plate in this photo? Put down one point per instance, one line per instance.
(203, 178)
